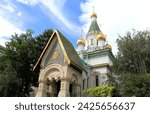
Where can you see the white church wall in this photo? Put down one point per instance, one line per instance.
(102, 70)
(80, 47)
(100, 60)
(90, 79)
(103, 75)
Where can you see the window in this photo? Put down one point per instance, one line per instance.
(96, 80)
(83, 84)
(91, 41)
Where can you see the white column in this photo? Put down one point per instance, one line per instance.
(42, 89)
(64, 90)
(78, 87)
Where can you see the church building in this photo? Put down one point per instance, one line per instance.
(66, 72)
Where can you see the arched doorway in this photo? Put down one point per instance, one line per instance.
(73, 89)
(53, 88)
(52, 82)
(73, 86)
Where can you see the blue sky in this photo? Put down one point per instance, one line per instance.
(115, 17)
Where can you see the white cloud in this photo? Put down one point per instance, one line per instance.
(57, 15)
(19, 13)
(54, 10)
(117, 16)
(8, 27)
(2, 41)
(8, 7)
(28, 2)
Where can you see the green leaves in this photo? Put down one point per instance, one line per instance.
(134, 53)
(9, 83)
(132, 64)
(102, 91)
(135, 85)
(17, 60)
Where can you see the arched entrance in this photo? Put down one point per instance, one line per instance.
(53, 82)
(73, 86)
(73, 89)
(53, 88)
(50, 81)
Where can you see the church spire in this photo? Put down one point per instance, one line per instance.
(95, 37)
(94, 28)
(93, 14)
(81, 42)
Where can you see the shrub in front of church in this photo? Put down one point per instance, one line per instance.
(102, 91)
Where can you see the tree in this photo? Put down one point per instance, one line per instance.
(9, 84)
(134, 53)
(135, 85)
(18, 59)
(132, 63)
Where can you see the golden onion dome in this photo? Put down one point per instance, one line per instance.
(101, 36)
(94, 15)
(108, 46)
(81, 41)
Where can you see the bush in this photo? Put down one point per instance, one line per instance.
(102, 91)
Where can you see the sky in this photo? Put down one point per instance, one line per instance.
(115, 17)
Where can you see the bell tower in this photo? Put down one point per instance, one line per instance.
(96, 54)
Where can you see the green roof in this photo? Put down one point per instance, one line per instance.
(69, 49)
(94, 27)
(71, 52)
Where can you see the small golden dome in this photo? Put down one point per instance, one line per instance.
(94, 15)
(108, 46)
(81, 41)
(101, 36)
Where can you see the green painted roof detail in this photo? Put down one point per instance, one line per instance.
(94, 27)
(68, 48)
(71, 52)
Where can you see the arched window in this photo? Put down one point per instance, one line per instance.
(96, 74)
(96, 80)
(92, 42)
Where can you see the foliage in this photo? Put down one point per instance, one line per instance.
(132, 64)
(1, 50)
(135, 85)
(17, 61)
(134, 53)
(9, 83)
(102, 91)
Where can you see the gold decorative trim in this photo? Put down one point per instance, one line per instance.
(55, 55)
(92, 52)
(81, 41)
(63, 50)
(101, 65)
(43, 51)
(94, 15)
(101, 36)
(61, 45)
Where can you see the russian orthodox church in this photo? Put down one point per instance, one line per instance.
(66, 72)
